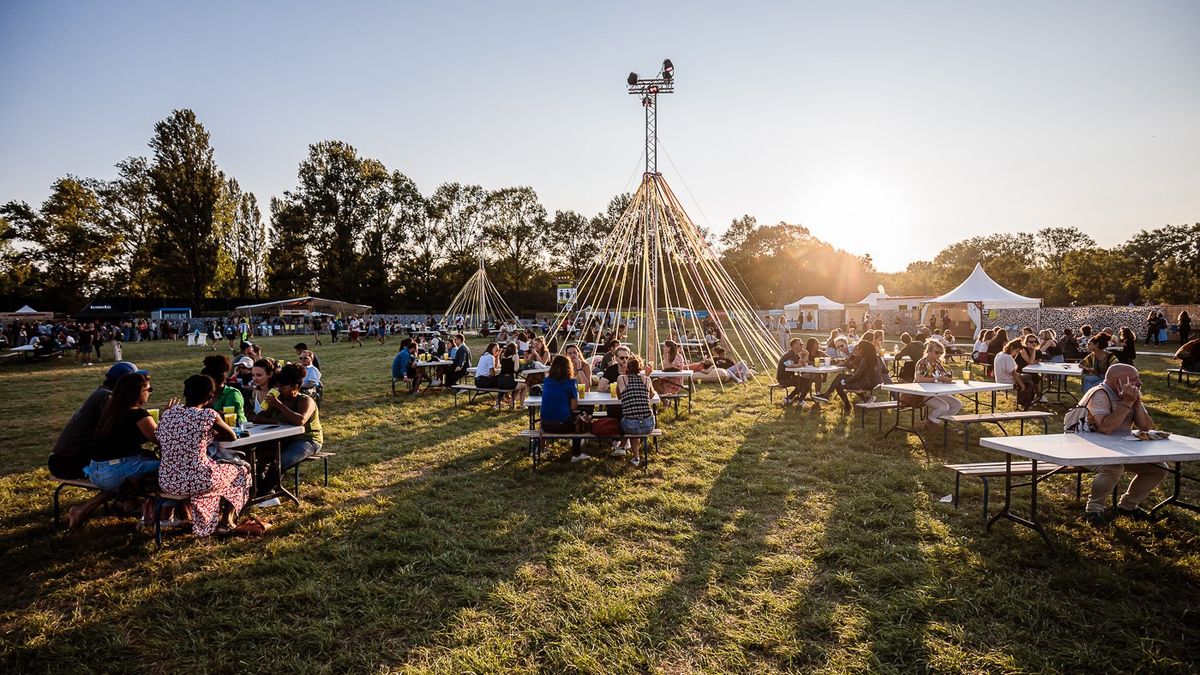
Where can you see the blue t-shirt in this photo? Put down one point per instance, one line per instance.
(556, 399)
(400, 364)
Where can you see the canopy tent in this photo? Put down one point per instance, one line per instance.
(871, 300)
(26, 309)
(26, 313)
(807, 311)
(979, 293)
(305, 306)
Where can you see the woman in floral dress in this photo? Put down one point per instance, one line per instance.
(184, 433)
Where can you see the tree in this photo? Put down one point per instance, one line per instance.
(516, 228)
(458, 213)
(243, 241)
(1100, 276)
(739, 231)
(187, 187)
(1149, 248)
(127, 206)
(575, 243)
(289, 269)
(1175, 283)
(72, 247)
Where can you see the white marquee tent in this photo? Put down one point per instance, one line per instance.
(810, 304)
(980, 293)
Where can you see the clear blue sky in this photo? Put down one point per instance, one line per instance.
(887, 128)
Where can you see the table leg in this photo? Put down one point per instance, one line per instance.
(908, 430)
(1032, 522)
(279, 489)
(1174, 499)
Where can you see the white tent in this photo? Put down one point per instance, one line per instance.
(810, 304)
(979, 293)
(871, 300)
(26, 310)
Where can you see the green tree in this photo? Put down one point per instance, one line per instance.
(516, 230)
(72, 247)
(575, 242)
(127, 206)
(1100, 276)
(1149, 248)
(187, 187)
(243, 241)
(289, 268)
(1175, 283)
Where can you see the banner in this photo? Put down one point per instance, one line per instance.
(566, 293)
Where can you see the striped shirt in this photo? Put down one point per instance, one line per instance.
(635, 400)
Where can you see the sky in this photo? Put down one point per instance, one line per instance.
(886, 128)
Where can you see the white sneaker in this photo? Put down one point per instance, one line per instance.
(582, 457)
(273, 501)
(618, 452)
(635, 462)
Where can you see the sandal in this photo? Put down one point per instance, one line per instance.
(251, 527)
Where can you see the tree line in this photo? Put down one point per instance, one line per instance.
(173, 224)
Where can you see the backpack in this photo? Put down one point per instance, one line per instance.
(1075, 421)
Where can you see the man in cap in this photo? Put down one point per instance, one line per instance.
(70, 452)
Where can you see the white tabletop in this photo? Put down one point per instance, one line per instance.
(22, 348)
(431, 364)
(260, 433)
(956, 388)
(689, 343)
(686, 374)
(589, 398)
(1063, 369)
(818, 370)
(535, 370)
(892, 357)
(1095, 449)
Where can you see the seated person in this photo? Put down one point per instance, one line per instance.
(243, 373)
(293, 407)
(1115, 407)
(1069, 345)
(312, 376)
(1007, 371)
(403, 366)
(672, 361)
(461, 356)
(795, 357)
(560, 403)
(579, 366)
(865, 375)
(487, 369)
(216, 367)
(914, 350)
(738, 372)
(1189, 354)
(610, 373)
(931, 369)
(302, 347)
(117, 452)
(1097, 362)
(506, 378)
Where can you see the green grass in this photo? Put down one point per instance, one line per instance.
(759, 540)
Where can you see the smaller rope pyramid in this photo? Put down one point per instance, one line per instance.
(478, 301)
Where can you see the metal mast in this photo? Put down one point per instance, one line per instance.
(649, 89)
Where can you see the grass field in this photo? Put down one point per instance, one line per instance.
(758, 540)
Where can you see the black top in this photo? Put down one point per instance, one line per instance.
(126, 439)
(76, 437)
(789, 358)
(1128, 353)
(508, 366)
(612, 372)
(723, 362)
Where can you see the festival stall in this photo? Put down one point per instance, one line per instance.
(814, 312)
(973, 304)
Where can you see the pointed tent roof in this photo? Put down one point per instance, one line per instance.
(26, 309)
(820, 301)
(981, 288)
(871, 298)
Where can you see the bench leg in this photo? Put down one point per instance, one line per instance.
(296, 478)
(325, 460)
(1078, 485)
(957, 481)
(986, 496)
(966, 437)
(57, 490)
(1022, 427)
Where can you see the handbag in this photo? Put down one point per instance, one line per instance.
(606, 426)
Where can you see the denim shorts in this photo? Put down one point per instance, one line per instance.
(109, 475)
(637, 427)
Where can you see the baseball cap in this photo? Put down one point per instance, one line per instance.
(123, 368)
(245, 361)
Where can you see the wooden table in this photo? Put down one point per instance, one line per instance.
(1054, 379)
(930, 389)
(1091, 449)
(260, 434)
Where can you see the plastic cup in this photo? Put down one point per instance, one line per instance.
(229, 409)
(231, 419)
(582, 389)
(967, 375)
(154, 413)
(612, 389)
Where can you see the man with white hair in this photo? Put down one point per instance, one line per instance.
(1114, 407)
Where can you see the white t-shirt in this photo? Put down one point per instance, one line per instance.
(487, 363)
(355, 325)
(1005, 368)
(312, 376)
(980, 346)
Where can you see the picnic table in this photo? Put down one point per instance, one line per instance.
(683, 374)
(930, 389)
(1054, 379)
(434, 363)
(589, 398)
(1091, 449)
(260, 434)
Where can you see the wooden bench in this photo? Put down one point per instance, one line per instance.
(474, 392)
(323, 456)
(993, 418)
(863, 407)
(161, 500)
(987, 470)
(536, 436)
(1183, 376)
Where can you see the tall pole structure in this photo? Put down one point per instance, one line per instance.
(649, 89)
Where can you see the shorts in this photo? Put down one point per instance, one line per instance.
(354, 335)
(109, 475)
(637, 427)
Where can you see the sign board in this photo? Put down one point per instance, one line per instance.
(293, 312)
(566, 293)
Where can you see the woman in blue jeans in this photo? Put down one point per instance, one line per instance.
(634, 389)
(118, 453)
(290, 406)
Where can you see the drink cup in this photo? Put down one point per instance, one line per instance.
(967, 375)
(231, 419)
(229, 409)
(154, 413)
(582, 389)
(612, 389)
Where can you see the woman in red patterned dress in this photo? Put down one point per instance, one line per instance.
(184, 433)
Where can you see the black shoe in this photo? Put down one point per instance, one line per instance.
(1096, 519)
(1136, 513)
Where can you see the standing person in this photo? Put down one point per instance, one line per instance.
(931, 369)
(782, 333)
(334, 327)
(560, 403)
(1162, 328)
(637, 418)
(216, 491)
(1128, 342)
(1152, 327)
(83, 345)
(1185, 327)
(355, 331)
(316, 327)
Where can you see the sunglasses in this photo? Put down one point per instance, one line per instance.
(149, 390)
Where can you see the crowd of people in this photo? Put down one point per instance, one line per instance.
(129, 449)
